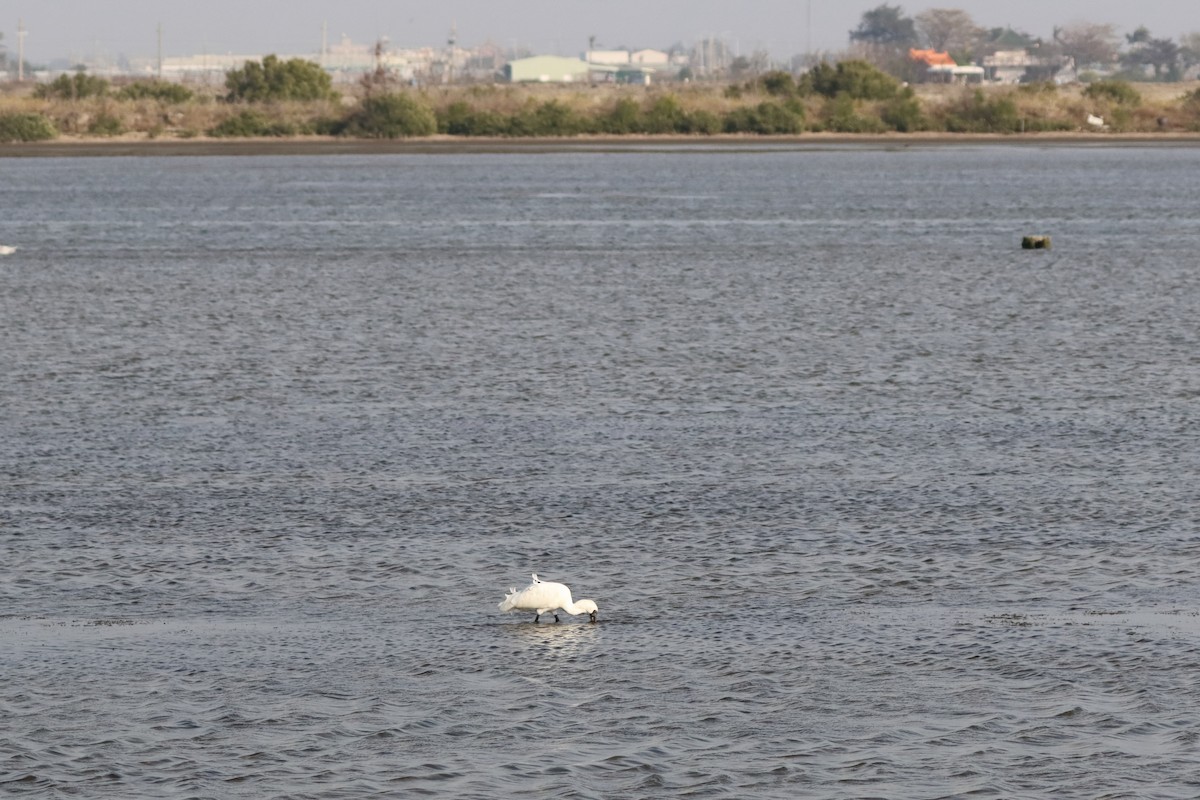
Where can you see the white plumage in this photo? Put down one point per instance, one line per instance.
(542, 596)
(7, 250)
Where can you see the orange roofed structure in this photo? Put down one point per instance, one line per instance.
(932, 58)
(939, 67)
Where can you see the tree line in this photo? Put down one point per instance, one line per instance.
(886, 33)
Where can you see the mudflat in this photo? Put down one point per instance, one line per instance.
(322, 145)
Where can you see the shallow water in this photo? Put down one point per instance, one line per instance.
(873, 502)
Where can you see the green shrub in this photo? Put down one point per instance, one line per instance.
(1120, 119)
(459, 119)
(841, 116)
(665, 116)
(73, 87)
(1119, 92)
(903, 114)
(856, 79)
(625, 117)
(252, 123)
(327, 126)
(765, 119)
(392, 116)
(551, 118)
(272, 79)
(489, 123)
(156, 90)
(740, 120)
(455, 119)
(701, 122)
(778, 83)
(18, 127)
(780, 118)
(106, 125)
(980, 114)
(521, 123)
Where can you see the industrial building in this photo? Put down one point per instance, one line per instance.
(547, 69)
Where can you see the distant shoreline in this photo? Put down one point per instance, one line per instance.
(93, 147)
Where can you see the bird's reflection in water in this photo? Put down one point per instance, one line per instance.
(566, 639)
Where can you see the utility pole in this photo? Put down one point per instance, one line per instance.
(160, 51)
(591, 47)
(20, 51)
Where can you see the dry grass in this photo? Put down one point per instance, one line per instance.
(1071, 107)
(508, 99)
(1066, 108)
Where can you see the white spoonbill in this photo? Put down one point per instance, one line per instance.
(542, 596)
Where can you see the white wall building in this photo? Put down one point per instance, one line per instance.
(650, 58)
(612, 58)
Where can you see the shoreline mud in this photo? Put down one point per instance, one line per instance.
(302, 146)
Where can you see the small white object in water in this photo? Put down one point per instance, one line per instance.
(542, 596)
(6, 250)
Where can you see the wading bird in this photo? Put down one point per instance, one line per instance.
(542, 596)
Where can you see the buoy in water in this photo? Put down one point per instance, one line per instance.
(1035, 242)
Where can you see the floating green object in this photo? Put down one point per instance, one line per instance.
(1035, 242)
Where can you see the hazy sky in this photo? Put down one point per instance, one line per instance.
(73, 28)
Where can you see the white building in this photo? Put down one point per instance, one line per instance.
(611, 58)
(650, 58)
(1016, 66)
(203, 68)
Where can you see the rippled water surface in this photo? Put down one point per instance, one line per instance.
(873, 502)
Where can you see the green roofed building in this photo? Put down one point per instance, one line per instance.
(546, 69)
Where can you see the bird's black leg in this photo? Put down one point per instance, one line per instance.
(592, 616)
(535, 618)
(556, 618)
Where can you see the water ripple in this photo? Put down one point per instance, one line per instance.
(872, 502)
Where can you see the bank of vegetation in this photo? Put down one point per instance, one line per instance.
(273, 98)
